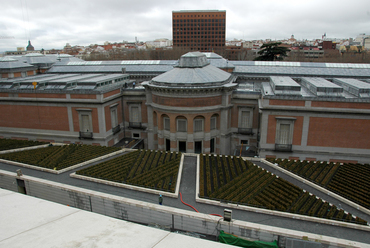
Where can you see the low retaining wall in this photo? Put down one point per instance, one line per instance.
(147, 213)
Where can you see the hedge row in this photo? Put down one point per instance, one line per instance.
(251, 185)
(151, 169)
(59, 157)
(9, 144)
(346, 179)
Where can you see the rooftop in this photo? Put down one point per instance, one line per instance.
(191, 11)
(193, 70)
(56, 225)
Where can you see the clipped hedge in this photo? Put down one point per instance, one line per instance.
(9, 144)
(351, 181)
(145, 168)
(250, 185)
(59, 157)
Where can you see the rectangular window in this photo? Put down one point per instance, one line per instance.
(135, 117)
(198, 125)
(244, 123)
(114, 117)
(167, 124)
(284, 135)
(181, 125)
(85, 127)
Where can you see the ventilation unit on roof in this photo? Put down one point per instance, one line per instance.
(228, 214)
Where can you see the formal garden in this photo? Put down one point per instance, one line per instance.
(234, 180)
(349, 180)
(58, 157)
(9, 144)
(145, 168)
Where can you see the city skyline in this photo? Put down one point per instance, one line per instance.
(53, 24)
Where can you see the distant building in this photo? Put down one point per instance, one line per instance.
(199, 30)
(30, 47)
(158, 43)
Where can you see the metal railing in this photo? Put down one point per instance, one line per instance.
(283, 147)
(86, 135)
(116, 129)
(245, 130)
(135, 125)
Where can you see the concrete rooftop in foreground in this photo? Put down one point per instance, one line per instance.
(27, 221)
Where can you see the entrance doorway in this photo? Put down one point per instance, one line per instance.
(212, 145)
(168, 145)
(198, 146)
(182, 146)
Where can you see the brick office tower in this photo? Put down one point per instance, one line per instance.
(199, 30)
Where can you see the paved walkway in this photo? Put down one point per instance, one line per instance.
(187, 188)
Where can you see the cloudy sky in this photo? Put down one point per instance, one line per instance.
(52, 24)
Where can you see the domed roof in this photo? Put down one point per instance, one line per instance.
(193, 70)
(193, 60)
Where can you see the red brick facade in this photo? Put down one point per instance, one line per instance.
(339, 132)
(34, 117)
(187, 102)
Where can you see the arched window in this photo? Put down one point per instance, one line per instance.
(199, 124)
(214, 122)
(166, 123)
(182, 124)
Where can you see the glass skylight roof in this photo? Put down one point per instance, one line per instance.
(276, 63)
(85, 63)
(321, 87)
(140, 62)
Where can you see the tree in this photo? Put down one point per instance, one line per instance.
(272, 52)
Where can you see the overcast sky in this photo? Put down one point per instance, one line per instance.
(52, 24)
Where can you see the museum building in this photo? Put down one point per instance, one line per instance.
(201, 103)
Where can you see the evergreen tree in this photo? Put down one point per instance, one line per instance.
(272, 52)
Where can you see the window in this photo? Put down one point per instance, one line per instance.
(85, 121)
(284, 133)
(181, 125)
(245, 117)
(244, 122)
(85, 127)
(213, 123)
(114, 117)
(198, 125)
(135, 114)
(166, 123)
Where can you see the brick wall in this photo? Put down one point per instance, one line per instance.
(42, 95)
(187, 102)
(287, 102)
(34, 117)
(339, 132)
(351, 105)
